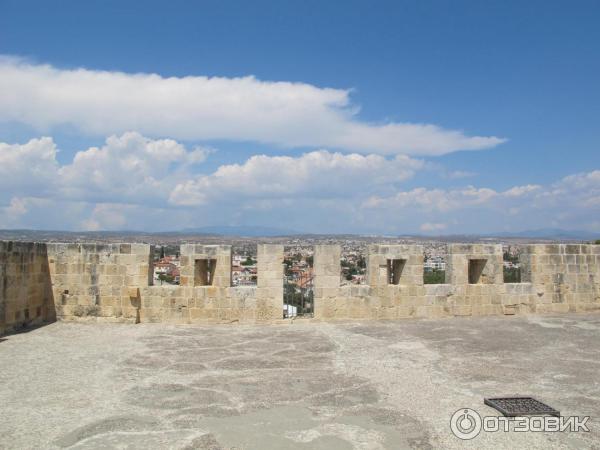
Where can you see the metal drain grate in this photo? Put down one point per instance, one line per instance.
(520, 406)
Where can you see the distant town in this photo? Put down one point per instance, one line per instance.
(298, 253)
(299, 261)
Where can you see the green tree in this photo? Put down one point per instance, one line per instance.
(288, 266)
(434, 276)
(248, 262)
(165, 277)
(512, 258)
(512, 275)
(291, 295)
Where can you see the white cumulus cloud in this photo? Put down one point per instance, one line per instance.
(314, 174)
(202, 108)
(135, 182)
(572, 202)
(27, 168)
(129, 167)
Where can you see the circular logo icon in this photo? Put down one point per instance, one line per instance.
(465, 423)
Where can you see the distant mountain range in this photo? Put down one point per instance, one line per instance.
(260, 231)
(550, 233)
(242, 231)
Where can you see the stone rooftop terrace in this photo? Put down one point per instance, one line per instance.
(338, 385)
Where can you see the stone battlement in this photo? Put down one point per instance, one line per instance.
(113, 282)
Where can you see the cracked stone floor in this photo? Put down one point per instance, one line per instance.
(361, 385)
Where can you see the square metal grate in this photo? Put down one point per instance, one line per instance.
(520, 406)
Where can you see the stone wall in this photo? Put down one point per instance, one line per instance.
(566, 277)
(113, 282)
(555, 278)
(25, 289)
(98, 280)
(192, 302)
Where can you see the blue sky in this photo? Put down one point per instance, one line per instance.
(373, 117)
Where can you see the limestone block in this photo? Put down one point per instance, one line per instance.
(464, 310)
